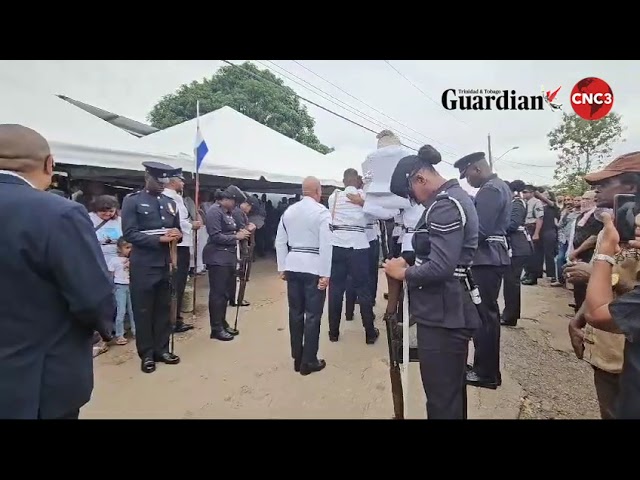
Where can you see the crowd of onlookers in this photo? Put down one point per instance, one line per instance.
(576, 244)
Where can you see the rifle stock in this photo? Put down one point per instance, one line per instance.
(173, 269)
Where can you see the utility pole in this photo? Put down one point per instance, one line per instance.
(489, 151)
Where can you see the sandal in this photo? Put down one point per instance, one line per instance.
(121, 341)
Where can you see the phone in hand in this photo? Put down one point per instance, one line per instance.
(625, 208)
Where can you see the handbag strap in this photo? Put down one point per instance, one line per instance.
(102, 224)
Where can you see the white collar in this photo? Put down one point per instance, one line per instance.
(14, 174)
(171, 193)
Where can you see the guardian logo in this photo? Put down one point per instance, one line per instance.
(488, 99)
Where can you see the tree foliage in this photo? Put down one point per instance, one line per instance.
(265, 99)
(582, 145)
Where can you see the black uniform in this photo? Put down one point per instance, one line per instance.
(493, 204)
(241, 222)
(55, 291)
(445, 242)
(220, 256)
(521, 248)
(145, 217)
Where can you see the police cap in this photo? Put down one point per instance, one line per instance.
(234, 193)
(399, 184)
(468, 160)
(253, 201)
(161, 171)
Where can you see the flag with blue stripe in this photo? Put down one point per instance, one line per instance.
(200, 148)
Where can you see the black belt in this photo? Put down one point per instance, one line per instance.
(347, 228)
(312, 250)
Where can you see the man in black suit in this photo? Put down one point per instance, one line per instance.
(55, 290)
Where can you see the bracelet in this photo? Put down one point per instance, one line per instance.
(605, 258)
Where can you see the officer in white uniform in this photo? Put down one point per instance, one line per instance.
(304, 250)
(350, 258)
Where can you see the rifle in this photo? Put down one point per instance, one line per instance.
(252, 244)
(244, 260)
(173, 270)
(394, 337)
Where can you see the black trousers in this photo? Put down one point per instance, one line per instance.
(182, 274)
(151, 302)
(350, 296)
(442, 353)
(70, 415)
(219, 279)
(534, 265)
(549, 242)
(354, 263)
(512, 288)
(306, 304)
(486, 340)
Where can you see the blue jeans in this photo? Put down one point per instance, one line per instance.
(561, 259)
(123, 303)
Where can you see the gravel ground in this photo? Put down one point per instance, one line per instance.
(537, 354)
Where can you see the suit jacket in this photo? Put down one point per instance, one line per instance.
(55, 292)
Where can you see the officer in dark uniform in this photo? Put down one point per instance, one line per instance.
(493, 204)
(150, 221)
(241, 216)
(521, 248)
(220, 257)
(439, 282)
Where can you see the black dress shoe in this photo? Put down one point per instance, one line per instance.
(231, 331)
(508, 324)
(148, 365)
(168, 358)
(181, 327)
(333, 337)
(243, 304)
(475, 380)
(296, 364)
(529, 282)
(372, 337)
(221, 335)
(307, 368)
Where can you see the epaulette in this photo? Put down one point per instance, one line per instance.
(442, 195)
(132, 194)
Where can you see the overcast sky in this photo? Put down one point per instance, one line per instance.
(131, 88)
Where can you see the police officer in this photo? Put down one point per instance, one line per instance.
(521, 248)
(372, 230)
(350, 257)
(493, 204)
(150, 221)
(304, 251)
(240, 215)
(220, 256)
(439, 283)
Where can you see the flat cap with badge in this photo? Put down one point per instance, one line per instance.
(161, 171)
(233, 193)
(466, 161)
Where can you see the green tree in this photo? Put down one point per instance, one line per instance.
(265, 99)
(582, 145)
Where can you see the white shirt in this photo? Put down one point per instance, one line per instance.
(119, 266)
(372, 229)
(185, 224)
(410, 218)
(303, 241)
(111, 230)
(348, 220)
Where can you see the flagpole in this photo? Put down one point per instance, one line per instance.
(197, 202)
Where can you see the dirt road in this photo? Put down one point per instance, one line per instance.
(253, 377)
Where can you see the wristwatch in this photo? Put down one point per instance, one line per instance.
(605, 258)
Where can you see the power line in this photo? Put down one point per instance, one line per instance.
(425, 94)
(258, 77)
(331, 98)
(363, 102)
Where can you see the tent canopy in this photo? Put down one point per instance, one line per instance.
(236, 141)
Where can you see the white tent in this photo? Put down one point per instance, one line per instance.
(239, 143)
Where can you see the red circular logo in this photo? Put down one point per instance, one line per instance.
(592, 98)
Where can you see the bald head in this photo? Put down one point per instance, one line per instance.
(25, 151)
(21, 148)
(311, 187)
